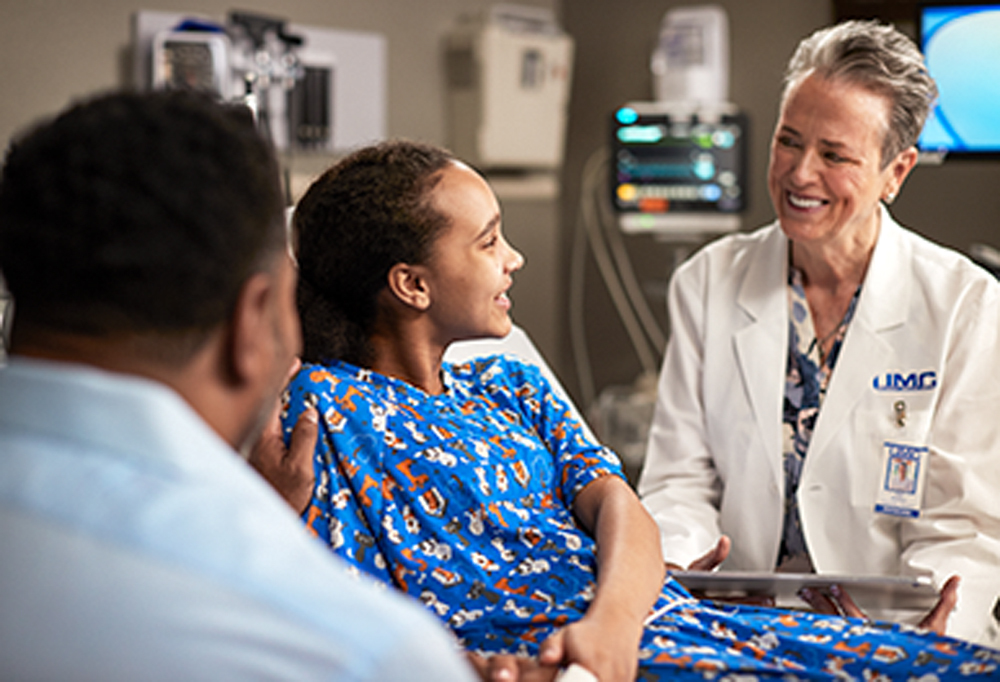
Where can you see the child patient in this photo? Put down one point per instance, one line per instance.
(472, 488)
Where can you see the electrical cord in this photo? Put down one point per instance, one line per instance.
(577, 330)
(593, 183)
(617, 273)
(627, 274)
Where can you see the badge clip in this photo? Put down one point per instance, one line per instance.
(899, 407)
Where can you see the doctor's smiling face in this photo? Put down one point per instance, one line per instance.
(827, 175)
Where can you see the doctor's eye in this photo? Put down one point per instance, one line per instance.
(787, 141)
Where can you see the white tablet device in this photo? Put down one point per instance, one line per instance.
(868, 592)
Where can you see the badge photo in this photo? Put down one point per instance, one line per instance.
(901, 488)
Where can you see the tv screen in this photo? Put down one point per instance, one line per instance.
(961, 45)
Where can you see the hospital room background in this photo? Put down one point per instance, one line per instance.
(592, 296)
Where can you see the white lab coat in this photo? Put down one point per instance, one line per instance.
(714, 461)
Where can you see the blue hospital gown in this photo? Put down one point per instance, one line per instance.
(463, 501)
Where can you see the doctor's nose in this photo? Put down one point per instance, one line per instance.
(805, 167)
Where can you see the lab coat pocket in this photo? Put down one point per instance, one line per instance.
(893, 418)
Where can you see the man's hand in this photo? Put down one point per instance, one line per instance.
(288, 470)
(510, 668)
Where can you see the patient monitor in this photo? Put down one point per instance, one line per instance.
(679, 162)
(677, 167)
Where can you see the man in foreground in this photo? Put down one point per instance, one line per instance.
(142, 239)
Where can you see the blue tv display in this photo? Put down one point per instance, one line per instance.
(961, 45)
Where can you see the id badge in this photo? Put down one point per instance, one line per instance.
(901, 490)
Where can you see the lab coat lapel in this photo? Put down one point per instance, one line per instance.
(882, 306)
(761, 345)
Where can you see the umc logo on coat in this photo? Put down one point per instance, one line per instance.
(898, 381)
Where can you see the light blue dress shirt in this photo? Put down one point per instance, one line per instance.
(135, 544)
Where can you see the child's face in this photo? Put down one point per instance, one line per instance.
(470, 266)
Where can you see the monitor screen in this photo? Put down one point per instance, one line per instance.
(961, 45)
(665, 164)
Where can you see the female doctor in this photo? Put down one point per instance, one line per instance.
(830, 396)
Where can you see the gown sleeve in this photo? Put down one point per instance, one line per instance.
(579, 459)
(347, 488)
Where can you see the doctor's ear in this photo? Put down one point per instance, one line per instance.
(408, 284)
(900, 167)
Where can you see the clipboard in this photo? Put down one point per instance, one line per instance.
(869, 592)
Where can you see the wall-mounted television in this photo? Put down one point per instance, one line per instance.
(961, 45)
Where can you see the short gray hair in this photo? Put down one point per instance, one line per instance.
(877, 57)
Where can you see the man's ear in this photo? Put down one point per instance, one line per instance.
(251, 328)
(408, 284)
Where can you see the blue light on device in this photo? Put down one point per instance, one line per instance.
(641, 134)
(627, 116)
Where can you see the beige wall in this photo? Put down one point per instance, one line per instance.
(54, 50)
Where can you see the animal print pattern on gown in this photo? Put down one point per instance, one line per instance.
(463, 500)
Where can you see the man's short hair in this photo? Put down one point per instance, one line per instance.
(137, 214)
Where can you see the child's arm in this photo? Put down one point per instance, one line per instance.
(630, 573)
